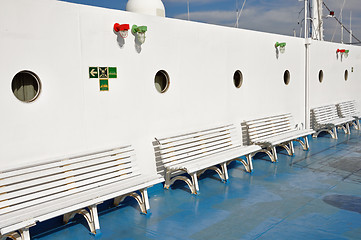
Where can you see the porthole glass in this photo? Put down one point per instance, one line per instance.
(161, 81)
(346, 75)
(26, 86)
(320, 76)
(237, 79)
(286, 77)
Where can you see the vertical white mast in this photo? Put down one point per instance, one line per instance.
(350, 27)
(307, 71)
(341, 26)
(317, 22)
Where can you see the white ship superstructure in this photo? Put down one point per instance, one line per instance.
(78, 78)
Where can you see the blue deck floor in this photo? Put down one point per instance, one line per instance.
(312, 195)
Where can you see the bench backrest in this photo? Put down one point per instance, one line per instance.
(189, 146)
(324, 114)
(32, 185)
(263, 128)
(347, 109)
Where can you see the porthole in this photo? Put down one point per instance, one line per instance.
(237, 79)
(26, 86)
(286, 77)
(320, 76)
(346, 75)
(161, 81)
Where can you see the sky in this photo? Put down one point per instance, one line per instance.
(274, 16)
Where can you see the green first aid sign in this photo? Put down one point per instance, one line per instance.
(104, 84)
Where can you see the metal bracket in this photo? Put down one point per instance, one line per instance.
(91, 216)
(304, 143)
(141, 198)
(247, 164)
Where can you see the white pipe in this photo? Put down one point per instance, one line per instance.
(307, 71)
(306, 13)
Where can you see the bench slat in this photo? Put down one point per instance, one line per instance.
(66, 179)
(272, 118)
(214, 159)
(196, 154)
(271, 129)
(59, 162)
(189, 146)
(91, 184)
(163, 141)
(53, 171)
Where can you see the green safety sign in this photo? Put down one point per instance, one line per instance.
(112, 71)
(103, 72)
(104, 84)
(93, 72)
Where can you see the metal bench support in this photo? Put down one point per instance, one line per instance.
(90, 215)
(141, 198)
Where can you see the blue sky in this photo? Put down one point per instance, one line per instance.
(276, 16)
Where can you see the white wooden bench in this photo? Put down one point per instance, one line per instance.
(348, 109)
(279, 130)
(195, 152)
(69, 186)
(326, 119)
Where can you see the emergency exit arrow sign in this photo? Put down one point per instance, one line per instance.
(93, 72)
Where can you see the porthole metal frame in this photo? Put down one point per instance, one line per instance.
(166, 75)
(36, 77)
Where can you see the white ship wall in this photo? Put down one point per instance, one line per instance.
(334, 89)
(60, 41)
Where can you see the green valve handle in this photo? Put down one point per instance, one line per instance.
(140, 29)
(280, 44)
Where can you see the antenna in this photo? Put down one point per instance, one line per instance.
(188, 9)
(240, 12)
(342, 25)
(350, 27)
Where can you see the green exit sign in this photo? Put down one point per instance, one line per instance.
(112, 71)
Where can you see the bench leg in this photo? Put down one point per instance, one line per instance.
(225, 171)
(14, 236)
(141, 198)
(144, 193)
(348, 128)
(307, 145)
(247, 164)
(274, 154)
(292, 148)
(289, 147)
(90, 216)
(303, 143)
(355, 124)
(167, 180)
(195, 181)
(269, 153)
(190, 182)
(333, 133)
(25, 234)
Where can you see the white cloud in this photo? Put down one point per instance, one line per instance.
(282, 19)
(194, 1)
(276, 20)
